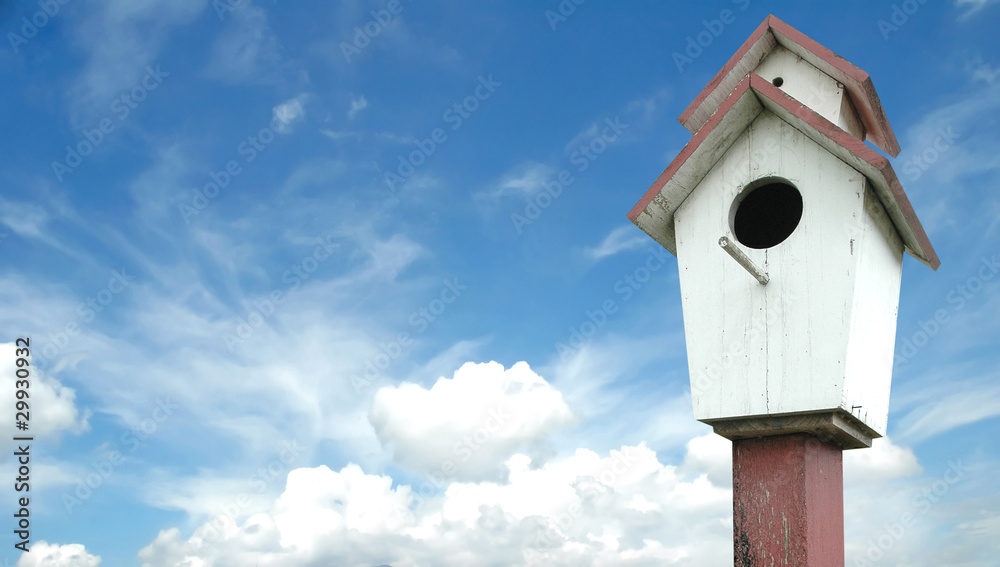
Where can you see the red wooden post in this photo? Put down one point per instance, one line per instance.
(788, 502)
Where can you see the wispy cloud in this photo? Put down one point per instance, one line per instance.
(980, 70)
(646, 109)
(523, 180)
(973, 402)
(119, 38)
(972, 7)
(26, 219)
(34, 221)
(387, 137)
(951, 146)
(288, 112)
(246, 50)
(621, 239)
(637, 115)
(357, 105)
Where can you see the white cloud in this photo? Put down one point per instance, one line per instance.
(341, 134)
(288, 112)
(311, 176)
(915, 519)
(29, 220)
(583, 138)
(972, 7)
(52, 406)
(965, 127)
(387, 137)
(953, 146)
(970, 401)
(638, 114)
(120, 38)
(446, 361)
(390, 257)
(646, 109)
(246, 49)
(625, 508)
(712, 455)
(618, 240)
(26, 219)
(982, 71)
(883, 461)
(357, 105)
(294, 371)
(626, 389)
(524, 180)
(465, 427)
(162, 184)
(45, 554)
(988, 526)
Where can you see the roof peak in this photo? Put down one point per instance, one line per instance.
(768, 36)
(753, 95)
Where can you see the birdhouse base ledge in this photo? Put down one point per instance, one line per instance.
(836, 426)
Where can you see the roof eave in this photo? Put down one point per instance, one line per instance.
(700, 154)
(771, 33)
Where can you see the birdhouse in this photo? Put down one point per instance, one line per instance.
(789, 233)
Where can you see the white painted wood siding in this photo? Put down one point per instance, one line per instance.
(813, 88)
(819, 335)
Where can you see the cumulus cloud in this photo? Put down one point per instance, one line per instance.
(52, 406)
(883, 461)
(466, 426)
(711, 455)
(625, 508)
(52, 554)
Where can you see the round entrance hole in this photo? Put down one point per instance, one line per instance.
(778, 81)
(765, 215)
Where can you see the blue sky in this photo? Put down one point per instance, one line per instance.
(254, 345)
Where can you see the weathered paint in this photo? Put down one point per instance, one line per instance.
(874, 306)
(827, 315)
(873, 165)
(837, 427)
(736, 254)
(773, 33)
(813, 88)
(654, 211)
(788, 502)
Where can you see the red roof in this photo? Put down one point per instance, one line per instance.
(751, 96)
(770, 34)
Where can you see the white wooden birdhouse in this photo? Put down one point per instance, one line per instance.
(789, 233)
